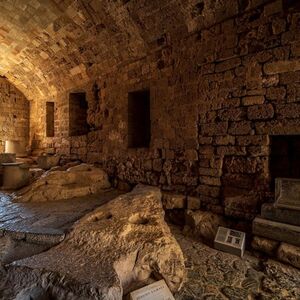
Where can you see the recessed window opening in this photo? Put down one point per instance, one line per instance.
(50, 119)
(139, 122)
(78, 107)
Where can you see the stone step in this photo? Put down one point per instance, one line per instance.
(288, 216)
(40, 236)
(276, 231)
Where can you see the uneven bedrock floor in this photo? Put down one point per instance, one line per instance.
(213, 274)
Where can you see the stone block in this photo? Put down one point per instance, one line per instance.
(46, 162)
(215, 181)
(193, 203)
(253, 100)
(289, 254)
(276, 231)
(173, 201)
(225, 140)
(241, 206)
(288, 110)
(265, 245)
(282, 66)
(289, 216)
(204, 224)
(260, 112)
(287, 193)
(240, 128)
(44, 236)
(219, 128)
(276, 93)
(228, 64)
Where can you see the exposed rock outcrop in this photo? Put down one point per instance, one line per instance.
(119, 244)
(77, 181)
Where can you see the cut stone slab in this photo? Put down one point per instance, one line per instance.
(265, 245)
(47, 162)
(108, 250)
(77, 181)
(276, 231)
(289, 216)
(173, 201)
(287, 193)
(289, 254)
(35, 235)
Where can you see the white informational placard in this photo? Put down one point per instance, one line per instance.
(155, 291)
(229, 240)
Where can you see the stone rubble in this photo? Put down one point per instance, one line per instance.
(77, 181)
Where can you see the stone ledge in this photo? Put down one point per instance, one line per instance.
(42, 236)
(276, 231)
(268, 211)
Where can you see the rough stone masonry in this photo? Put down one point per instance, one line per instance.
(223, 76)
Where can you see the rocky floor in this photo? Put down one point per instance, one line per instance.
(217, 275)
(211, 274)
(57, 215)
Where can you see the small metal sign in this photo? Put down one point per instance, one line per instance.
(231, 241)
(287, 193)
(155, 291)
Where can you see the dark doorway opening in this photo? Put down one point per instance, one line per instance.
(78, 107)
(284, 157)
(139, 122)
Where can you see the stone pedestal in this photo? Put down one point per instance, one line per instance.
(15, 176)
(47, 162)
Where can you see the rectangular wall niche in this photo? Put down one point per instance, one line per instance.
(78, 107)
(284, 157)
(139, 123)
(50, 119)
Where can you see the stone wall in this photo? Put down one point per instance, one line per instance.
(221, 83)
(14, 114)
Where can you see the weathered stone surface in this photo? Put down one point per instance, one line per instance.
(281, 67)
(203, 224)
(77, 181)
(47, 162)
(209, 64)
(193, 203)
(276, 231)
(33, 293)
(134, 225)
(265, 245)
(289, 254)
(241, 206)
(171, 201)
(287, 193)
(289, 216)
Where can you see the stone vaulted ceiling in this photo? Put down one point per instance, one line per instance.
(47, 46)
